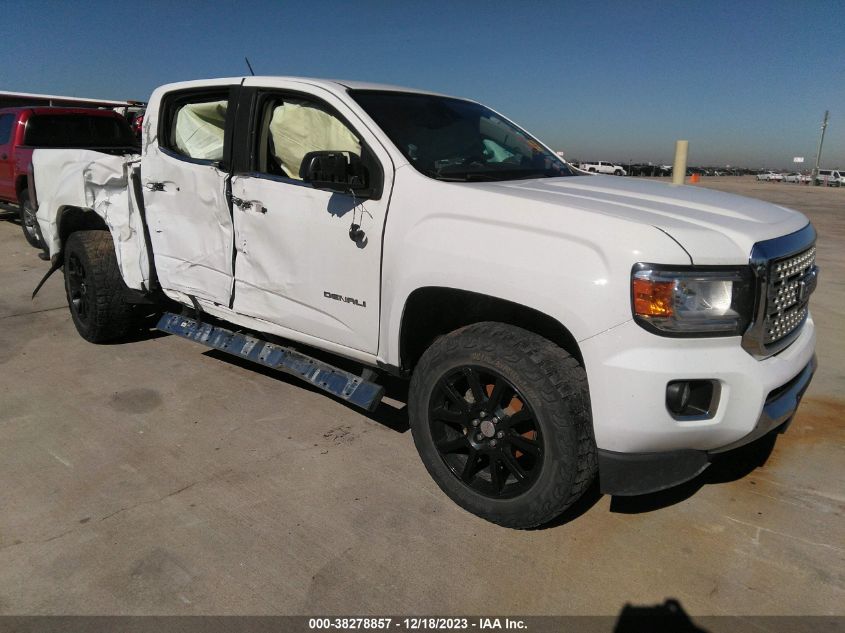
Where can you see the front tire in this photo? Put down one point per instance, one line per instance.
(29, 223)
(96, 293)
(501, 419)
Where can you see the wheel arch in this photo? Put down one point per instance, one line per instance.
(21, 184)
(433, 311)
(71, 219)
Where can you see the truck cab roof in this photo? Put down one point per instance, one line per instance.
(333, 85)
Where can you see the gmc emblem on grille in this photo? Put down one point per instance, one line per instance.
(808, 283)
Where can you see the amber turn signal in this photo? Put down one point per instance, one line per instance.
(653, 298)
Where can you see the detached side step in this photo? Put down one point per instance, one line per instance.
(340, 383)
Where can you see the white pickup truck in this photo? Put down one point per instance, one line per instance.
(603, 167)
(554, 326)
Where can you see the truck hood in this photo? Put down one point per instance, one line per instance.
(712, 226)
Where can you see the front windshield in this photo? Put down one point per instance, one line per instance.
(455, 140)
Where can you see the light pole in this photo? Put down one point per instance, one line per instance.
(819, 152)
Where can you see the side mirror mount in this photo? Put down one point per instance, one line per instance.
(338, 171)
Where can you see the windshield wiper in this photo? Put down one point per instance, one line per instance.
(534, 174)
(467, 177)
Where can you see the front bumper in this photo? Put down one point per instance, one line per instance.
(627, 474)
(629, 369)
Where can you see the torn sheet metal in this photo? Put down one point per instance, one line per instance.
(99, 183)
(340, 383)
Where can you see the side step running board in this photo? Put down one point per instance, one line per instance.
(340, 383)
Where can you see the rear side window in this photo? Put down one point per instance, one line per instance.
(77, 130)
(196, 125)
(6, 121)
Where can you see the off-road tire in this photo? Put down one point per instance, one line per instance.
(29, 225)
(555, 385)
(107, 315)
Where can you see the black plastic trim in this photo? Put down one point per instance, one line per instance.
(629, 474)
(715, 399)
(393, 370)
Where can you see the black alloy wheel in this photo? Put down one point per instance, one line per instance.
(77, 288)
(486, 432)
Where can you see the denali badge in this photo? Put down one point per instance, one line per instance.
(331, 295)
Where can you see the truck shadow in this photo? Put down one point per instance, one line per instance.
(391, 413)
(731, 466)
(10, 214)
(669, 616)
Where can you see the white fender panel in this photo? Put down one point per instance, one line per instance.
(99, 183)
(572, 265)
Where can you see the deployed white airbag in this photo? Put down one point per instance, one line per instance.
(199, 129)
(299, 127)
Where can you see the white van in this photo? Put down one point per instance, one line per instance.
(830, 177)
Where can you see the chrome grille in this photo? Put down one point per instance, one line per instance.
(786, 307)
(785, 276)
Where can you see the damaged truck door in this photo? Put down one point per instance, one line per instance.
(185, 177)
(295, 247)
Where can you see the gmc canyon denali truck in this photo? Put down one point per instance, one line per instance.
(554, 326)
(23, 129)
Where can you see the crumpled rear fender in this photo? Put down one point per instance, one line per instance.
(98, 183)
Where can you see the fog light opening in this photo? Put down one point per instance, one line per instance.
(692, 399)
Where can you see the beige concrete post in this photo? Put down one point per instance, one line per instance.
(679, 169)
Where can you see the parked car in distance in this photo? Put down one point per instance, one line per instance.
(770, 176)
(603, 167)
(797, 178)
(647, 169)
(22, 129)
(830, 177)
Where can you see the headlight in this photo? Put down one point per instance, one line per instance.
(692, 300)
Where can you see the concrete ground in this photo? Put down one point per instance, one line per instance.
(153, 477)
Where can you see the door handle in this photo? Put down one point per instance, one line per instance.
(4, 157)
(155, 186)
(249, 204)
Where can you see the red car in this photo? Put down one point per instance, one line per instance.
(24, 129)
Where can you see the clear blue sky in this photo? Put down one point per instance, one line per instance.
(747, 83)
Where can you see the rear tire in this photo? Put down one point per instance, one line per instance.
(95, 290)
(29, 223)
(501, 419)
